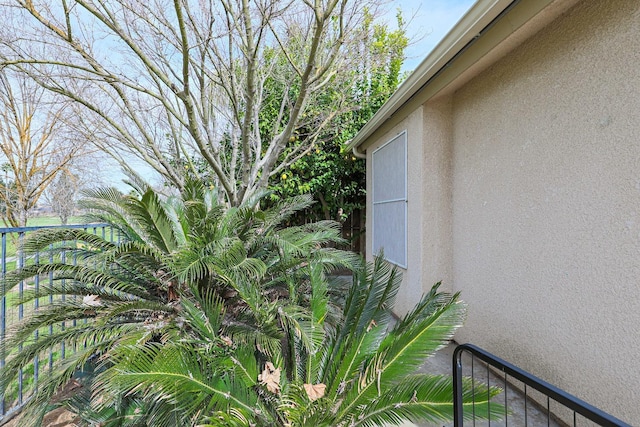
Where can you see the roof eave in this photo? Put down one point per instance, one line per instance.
(478, 17)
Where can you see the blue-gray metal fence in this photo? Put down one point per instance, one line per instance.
(11, 258)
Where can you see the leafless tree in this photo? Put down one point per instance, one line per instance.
(169, 81)
(34, 146)
(81, 173)
(61, 195)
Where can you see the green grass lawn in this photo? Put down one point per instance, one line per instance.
(48, 220)
(51, 220)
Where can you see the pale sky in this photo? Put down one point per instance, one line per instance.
(429, 22)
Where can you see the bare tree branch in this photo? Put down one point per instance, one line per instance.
(34, 149)
(179, 82)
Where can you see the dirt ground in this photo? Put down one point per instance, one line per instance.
(59, 417)
(56, 418)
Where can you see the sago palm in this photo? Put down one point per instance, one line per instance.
(130, 291)
(361, 371)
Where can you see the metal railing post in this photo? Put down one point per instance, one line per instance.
(458, 409)
(569, 401)
(3, 311)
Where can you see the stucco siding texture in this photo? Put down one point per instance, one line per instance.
(435, 219)
(545, 205)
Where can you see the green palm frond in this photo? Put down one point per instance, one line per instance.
(132, 310)
(143, 219)
(319, 311)
(87, 343)
(346, 362)
(298, 241)
(379, 298)
(180, 229)
(236, 261)
(84, 337)
(136, 251)
(147, 216)
(409, 349)
(171, 374)
(65, 279)
(23, 331)
(296, 409)
(232, 418)
(123, 411)
(49, 384)
(428, 304)
(266, 339)
(134, 180)
(204, 320)
(284, 209)
(400, 355)
(77, 265)
(370, 301)
(425, 398)
(301, 336)
(107, 205)
(70, 239)
(334, 259)
(101, 194)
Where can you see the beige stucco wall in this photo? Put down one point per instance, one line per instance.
(524, 194)
(546, 205)
(435, 219)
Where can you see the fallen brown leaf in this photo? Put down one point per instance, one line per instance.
(315, 391)
(270, 377)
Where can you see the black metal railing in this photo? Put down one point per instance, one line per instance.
(540, 402)
(10, 259)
